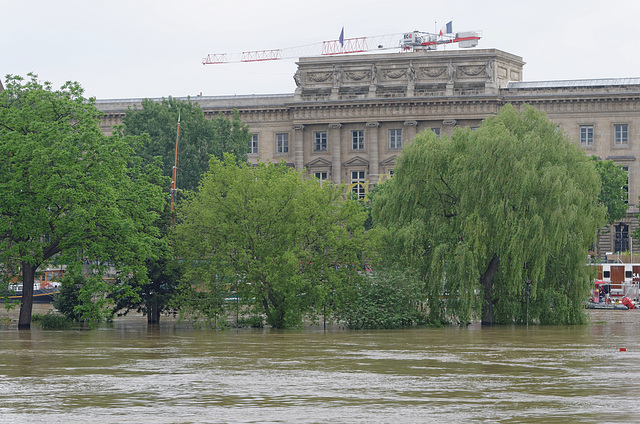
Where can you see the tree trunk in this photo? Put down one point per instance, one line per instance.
(486, 281)
(153, 312)
(24, 319)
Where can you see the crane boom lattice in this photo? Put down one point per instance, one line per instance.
(412, 41)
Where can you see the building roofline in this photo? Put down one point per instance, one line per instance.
(576, 83)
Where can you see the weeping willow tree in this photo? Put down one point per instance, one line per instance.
(491, 216)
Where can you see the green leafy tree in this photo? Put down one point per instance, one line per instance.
(491, 212)
(199, 137)
(614, 192)
(67, 190)
(153, 294)
(271, 238)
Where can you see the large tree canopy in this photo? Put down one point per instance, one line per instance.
(199, 138)
(281, 242)
(67, 190)
(486, 214)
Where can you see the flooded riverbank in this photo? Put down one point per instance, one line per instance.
(172, 373)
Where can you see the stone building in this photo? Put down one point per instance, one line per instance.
(350, 115)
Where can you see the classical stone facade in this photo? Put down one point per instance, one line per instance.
(350, 116)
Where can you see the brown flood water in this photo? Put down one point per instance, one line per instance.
(175, 374)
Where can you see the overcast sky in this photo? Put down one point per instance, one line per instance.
(154, 48)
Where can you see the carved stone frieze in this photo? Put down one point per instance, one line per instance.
(319, 76)
(358, 76)
(433, 72)
(393, 74)
(472, 71)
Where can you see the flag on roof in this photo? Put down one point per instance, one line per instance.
(447, 29)
(341, 39)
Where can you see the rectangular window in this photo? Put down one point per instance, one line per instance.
(621, 134)
(436, 131)
(621, 237)
(586, 135)
(395, 139)
(320, 141)
(282, 143)
(626, 186)
(253, 144)
(357, 140)
(358, 181)
(322, 176)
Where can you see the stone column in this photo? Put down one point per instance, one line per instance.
(336, 152)
(371, 140)
(411, 128)
(298, 145)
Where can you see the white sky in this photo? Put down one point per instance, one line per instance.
(154, 48)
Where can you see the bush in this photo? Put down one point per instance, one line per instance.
(52, 321)
(68, 298)
(254, 321)
(383, 300)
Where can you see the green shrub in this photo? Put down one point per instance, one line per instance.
(382, 300)
(52, 321)
(254, 321)
(67, 299)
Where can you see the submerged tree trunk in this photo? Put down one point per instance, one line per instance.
(486, 281)
(28, 274)
(153, 312)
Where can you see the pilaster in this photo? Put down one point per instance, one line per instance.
(371, 140)
(298, 147)
(336, 151)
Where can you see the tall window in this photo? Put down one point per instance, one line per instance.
(253, 144)
(586, 135)
(436, 131)
(621, 240)
(322, 176)
(395, 139)
(282, 143)
(621, 134)
(320, 141)
(357, 140)
(626, 186)
(357, 177)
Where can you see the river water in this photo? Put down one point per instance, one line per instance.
(173, 373)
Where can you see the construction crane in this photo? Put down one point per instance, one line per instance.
(407, 42)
